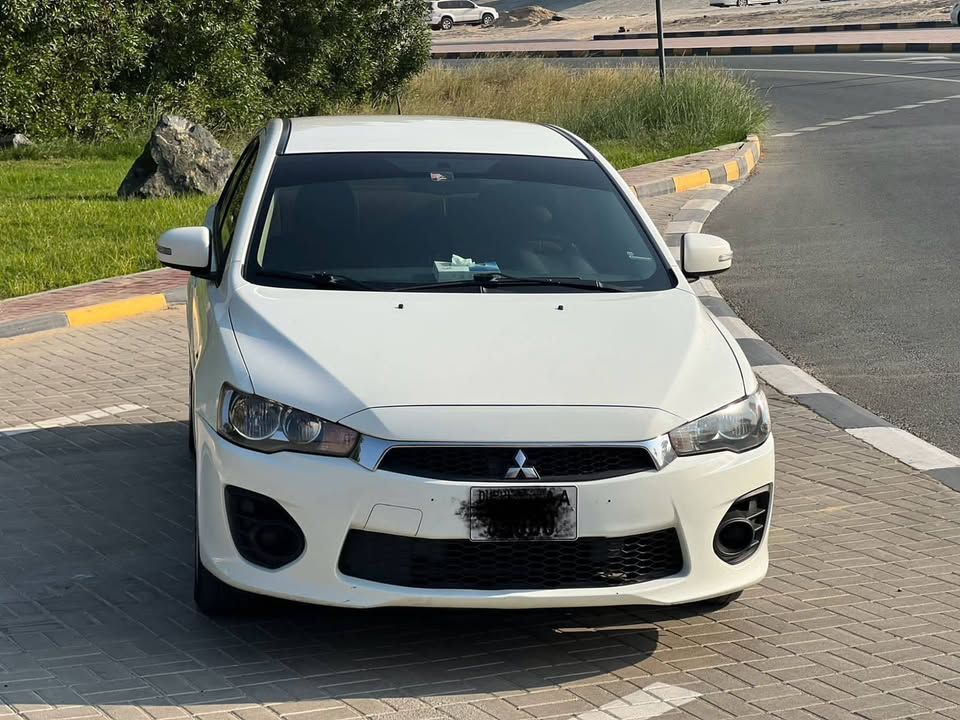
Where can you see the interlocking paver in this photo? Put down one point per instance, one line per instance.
(859, 617)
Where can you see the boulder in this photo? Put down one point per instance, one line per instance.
(14, 140)
(181, 158)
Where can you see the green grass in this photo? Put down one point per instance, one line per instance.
(623, 111)
(61, 223)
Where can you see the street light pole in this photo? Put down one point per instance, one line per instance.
(661, 51)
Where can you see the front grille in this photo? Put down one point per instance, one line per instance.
(493, 463)
(535, 565)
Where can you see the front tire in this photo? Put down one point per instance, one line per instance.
(487, 20)
(446, 23)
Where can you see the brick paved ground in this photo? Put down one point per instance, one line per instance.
(860, 616)
(99, 291)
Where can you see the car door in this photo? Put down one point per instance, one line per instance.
(205, 294)
(448, 7)
(471, 13)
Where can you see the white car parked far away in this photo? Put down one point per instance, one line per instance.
(452, 363)
(444, 14)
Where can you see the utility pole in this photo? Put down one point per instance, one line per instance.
(661, 51)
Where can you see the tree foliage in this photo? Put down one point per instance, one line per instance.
(90, 68)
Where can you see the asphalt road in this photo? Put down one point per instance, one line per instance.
(848, 238)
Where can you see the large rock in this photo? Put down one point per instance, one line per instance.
(14, 140)
(181, 158)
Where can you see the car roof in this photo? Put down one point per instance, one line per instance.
(408, 133)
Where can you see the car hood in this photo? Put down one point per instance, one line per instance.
(339, 353)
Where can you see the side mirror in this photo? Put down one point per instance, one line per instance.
(702, 254)
(185, 248)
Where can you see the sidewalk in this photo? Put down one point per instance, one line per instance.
(941, 40)
(92, 293)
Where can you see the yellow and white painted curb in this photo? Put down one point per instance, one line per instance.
(93, 314)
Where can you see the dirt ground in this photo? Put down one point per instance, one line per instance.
(585, 19)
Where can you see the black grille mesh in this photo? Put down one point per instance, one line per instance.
(492, 463)
(535, 565)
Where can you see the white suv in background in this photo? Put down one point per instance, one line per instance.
(444, 14)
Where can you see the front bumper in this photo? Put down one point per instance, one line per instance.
(328, 497)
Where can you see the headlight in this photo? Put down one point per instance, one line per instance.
(261, 424)
(739, 426)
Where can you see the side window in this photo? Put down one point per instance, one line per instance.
(446, 5)
(232, 200)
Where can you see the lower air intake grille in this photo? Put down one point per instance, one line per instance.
(533, 565)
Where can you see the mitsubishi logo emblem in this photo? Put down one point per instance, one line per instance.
(529, 473)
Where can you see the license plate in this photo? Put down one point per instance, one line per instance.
(523, 513)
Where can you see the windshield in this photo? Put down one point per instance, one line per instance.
(386, 221)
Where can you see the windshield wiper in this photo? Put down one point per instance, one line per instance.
(495, 280)
(319, 279)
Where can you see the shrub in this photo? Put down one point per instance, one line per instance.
(96, 68)
(59, 62)
(623, 110)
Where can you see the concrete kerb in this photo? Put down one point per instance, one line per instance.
(94, 314)
(704, 50)
(740, 165)
(779, 30)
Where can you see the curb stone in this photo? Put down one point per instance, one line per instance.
(94, 314)
(778, 371)
(739, 166)
(779, 30)
(800, 49)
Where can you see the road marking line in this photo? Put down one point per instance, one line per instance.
(653, 701)
(934, 101)
(848, 72)
(64, 420)
(791, 380)
(907, 107)
(835, 122)
(858, 117)
(906, 447)
(812, 128)
(881, 112)
(916, 59)
(785, 134)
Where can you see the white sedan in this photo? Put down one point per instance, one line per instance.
(451, 363)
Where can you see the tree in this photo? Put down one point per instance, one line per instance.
(89, 68)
